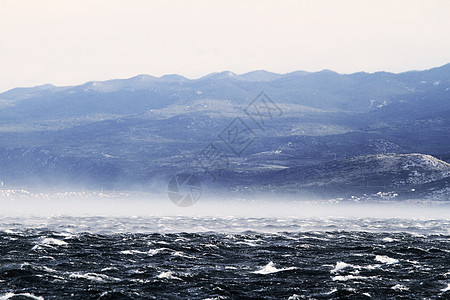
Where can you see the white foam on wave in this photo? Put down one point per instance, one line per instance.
(27, 295)
(340, 265)
(270, 268)
(167, 275)
(414, 262)
(65, 234)
(93, 277)
(372, 267)
(388, 240)
(216, 298)
(53, 242)
(141, 281)
(48, 270)
(109, 269)
(182, 254)
(446, 289)
(163, 242)
(48, 242)
(152, 252)
(400, 287)
(348, 277)
(247, 243)
(131, 252)
(331, 292)
(386, 259)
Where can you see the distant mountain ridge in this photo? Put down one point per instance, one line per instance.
(257, 75)
(294, 85)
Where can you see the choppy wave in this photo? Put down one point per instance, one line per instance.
(65, 226)
(230, 258)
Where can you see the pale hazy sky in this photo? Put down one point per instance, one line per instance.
(71, 42)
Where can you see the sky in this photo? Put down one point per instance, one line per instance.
(72, 42)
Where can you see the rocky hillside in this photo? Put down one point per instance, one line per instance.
(405, 175)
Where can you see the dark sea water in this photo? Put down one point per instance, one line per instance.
(223, 258)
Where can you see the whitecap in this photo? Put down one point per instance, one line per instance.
(65, 234)
(340, 265)
(270, 268)
(93, 277)
(386, 259)
(167, 275)
(163, 242)
(388, 240)
(47, 269)
(27, 295)
(348, 277)
(372, 267)
(137, 280)
(181, 254)
(131, 252)
(446, 289)
(152, 252)
(47, 257)
(414, 262)
(48, 243)
(400, 287)
(331, 292)
(54, 242)
(217, 298)
(109, 269)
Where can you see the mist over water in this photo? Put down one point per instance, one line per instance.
(140, 212)
(129, 203)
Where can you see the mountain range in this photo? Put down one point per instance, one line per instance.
(323, 133)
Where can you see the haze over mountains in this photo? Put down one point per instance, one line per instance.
(324, 135)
